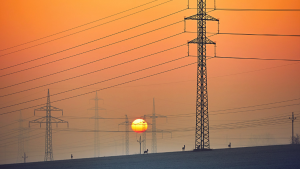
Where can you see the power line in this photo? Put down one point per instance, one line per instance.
(237, 108)
(14, 122)
(90, 62)
(92, 40)
(257, 105)
(93, 71)
(290, 60)
(257, 109)
(99, 89)
(90, 50)
(96, 82)
(85, 29)
(262, 10)
(214, 76)
(255, 34)
(248, 34)
(79, 25)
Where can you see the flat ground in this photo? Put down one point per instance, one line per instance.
(273, 157)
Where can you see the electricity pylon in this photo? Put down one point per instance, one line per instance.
(96, 134)
(48, 119)
(20, 139)
(140, 141)
(24, 157)
(292, 118)
(153, 116)
(127, 124)
(202, 121)
(144, 137)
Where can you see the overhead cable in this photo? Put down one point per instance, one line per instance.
(130, 81)
(109, 67)
(90, 50)
(91, 62)
(79, 26)
(91, 41)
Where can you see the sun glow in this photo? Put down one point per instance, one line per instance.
(139, 125)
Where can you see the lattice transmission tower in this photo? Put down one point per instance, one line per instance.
(202, 121)
(144, 137)
(96, 133)
(20, 139)
(293, 118)
(153, 116)
(48, 120)
(127, 125)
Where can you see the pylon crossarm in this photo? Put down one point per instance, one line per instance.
(40, 109)
(57, 120)
(39, 120)
(55, 109)
(200, 41)
(199, 17)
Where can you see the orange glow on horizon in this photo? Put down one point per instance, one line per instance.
(139, 125)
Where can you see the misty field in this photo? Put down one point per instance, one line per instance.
(281, 156)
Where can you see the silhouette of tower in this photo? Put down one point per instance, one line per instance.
(127, 125)
(144, 145)
(140, 142)
(96, 133)
(24, 157)
(153, 116)
(48, 119)
(202, 121)
(293, 118)
(20, 139)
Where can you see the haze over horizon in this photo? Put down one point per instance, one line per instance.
(250, 101)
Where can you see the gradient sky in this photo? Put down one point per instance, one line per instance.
(232, 83)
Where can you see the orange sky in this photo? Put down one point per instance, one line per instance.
(231, 83)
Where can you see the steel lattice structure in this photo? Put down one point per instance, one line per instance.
(48, 119)
(202, 120)
(144, 137)
(153, 116)
(154, 140)
(127, 125)
(20, 139)
(96, 126)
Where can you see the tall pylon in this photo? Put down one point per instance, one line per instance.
(293, 118)
(20, 139)
(144, 145)
(127, 125)
(24, 157)
(202, 121)
(153, 116)
(48, 119)
(96, 133)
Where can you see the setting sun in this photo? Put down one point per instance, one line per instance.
(139, 125)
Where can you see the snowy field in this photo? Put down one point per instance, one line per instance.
(267, 157)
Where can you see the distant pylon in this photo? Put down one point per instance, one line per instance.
(48, 119)
(24, 157)
(127, 125)
(292, 118)
(20, 139)
(154, 116)
(144, 138)
(96, 133)
(140, 141)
